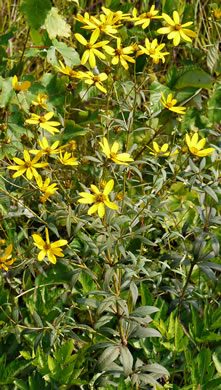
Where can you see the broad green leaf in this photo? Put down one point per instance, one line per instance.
(35, 12)
(194, 78)
(7, 91)
(63, 352)
(56, 25)
(71, 56)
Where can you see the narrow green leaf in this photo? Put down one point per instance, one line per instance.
(127, 360)
(108, 356)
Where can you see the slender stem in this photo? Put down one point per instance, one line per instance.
(187, 280)
(23, 52)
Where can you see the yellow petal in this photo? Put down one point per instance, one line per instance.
(101, 210)
(109, 186)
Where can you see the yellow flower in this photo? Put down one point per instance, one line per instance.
(121, 55)
(217, 13)
(162, 151)
(100, 199)
(65, 69)
(45, 186)
(170, 104)
(195, 146)
(51, 250)
(153, 50)
(106, 23)
(20, 86)
(46, 148)
(145, 18)
(157, 150)
(95, 79)
(44, 122)
(29, 166)
(175, 30)
(121, 158)
(91, 48)
(67, 159)
(6, 260)
(40, 100)
(72, 144)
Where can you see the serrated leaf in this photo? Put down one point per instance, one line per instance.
(35, 12)
(56, 25)
(71, 56)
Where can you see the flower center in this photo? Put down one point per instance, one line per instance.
(89, 46)
(28, 164)
(113, 155)
(42, 120)
(101, 198)
(177, 27)
(48, 150)
(47, 247)
(169, 105)
(194, 150)
(152, 51)
(119, 52)
(149, 15)
(96, 79)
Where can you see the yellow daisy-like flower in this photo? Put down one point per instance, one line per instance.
(100, 199)
(217, 13)
(44, 122)
(157, 150)
(121, 54)
(23, 86)
(65, 69)
(176, 30)
(153, 50)
(27, 166)
(105, 23)
(6, 259)
(68, 159)
(170, 103)
(46, 148)
(91, 48)
(161, 150)
(112, 153)
(40, 100)
(95, 79)
(51, 250)
(145, 18)
(195, 146)
(45, 186)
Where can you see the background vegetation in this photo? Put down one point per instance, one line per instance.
(131, 300)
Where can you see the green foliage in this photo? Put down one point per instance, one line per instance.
(35, 12)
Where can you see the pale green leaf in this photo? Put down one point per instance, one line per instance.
(56, 25)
